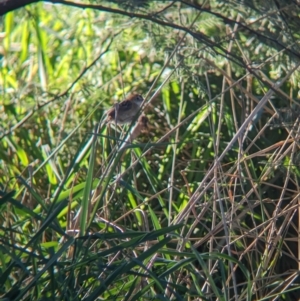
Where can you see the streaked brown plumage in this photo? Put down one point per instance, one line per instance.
(125, 111)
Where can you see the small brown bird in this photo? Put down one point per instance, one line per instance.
(125, 111)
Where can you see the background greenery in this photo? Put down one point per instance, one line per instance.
(192, 210)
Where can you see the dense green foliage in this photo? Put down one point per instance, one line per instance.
(204, 206)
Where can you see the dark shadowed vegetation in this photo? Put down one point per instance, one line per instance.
(203, 205)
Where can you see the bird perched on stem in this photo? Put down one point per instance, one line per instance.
(140, 127)
(125, 111)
